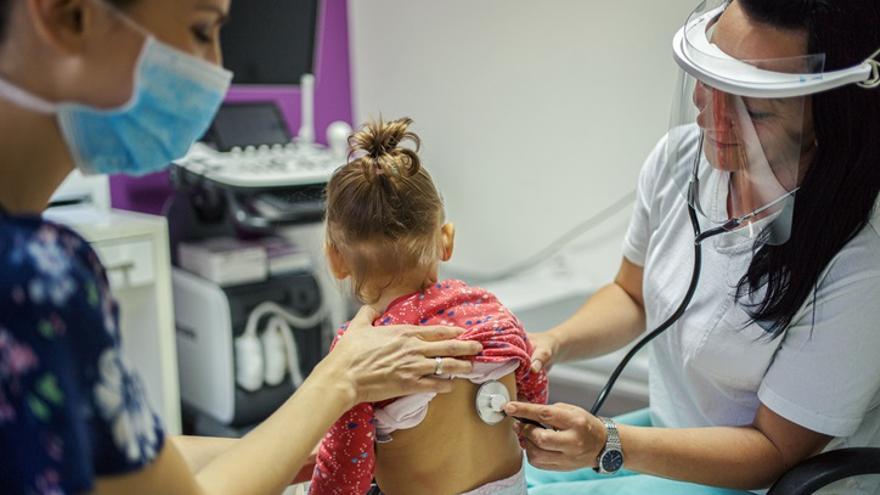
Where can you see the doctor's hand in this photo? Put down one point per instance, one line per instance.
(391, 361)
(575, 441)
(546, 348)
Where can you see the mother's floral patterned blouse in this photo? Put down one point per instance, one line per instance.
(70, 408)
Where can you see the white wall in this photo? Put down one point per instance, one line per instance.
(534, 115)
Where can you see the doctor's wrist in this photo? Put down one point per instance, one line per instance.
(556, 338)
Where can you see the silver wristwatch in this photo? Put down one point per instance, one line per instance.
(611, 458)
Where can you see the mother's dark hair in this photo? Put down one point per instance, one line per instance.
(840, 188)
(6, 8)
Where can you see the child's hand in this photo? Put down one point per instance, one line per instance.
(546, 347)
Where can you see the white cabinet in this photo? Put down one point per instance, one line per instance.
(134, 250)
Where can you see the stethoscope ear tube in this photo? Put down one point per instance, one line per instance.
(695, 277)
(699, 237)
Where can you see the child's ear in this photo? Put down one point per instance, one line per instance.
(447, 241)
(338, 267)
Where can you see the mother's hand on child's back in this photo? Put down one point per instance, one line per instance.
(392, 361)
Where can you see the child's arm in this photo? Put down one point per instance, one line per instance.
(506, 339)
(531, 386)
(346, 458)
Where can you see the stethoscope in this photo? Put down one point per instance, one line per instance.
(492, 396)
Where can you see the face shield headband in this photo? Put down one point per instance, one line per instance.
(695, 53)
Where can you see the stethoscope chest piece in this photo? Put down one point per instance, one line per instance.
(490, 401)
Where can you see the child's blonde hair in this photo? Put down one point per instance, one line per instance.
(383, 211)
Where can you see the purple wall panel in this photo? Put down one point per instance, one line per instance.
(332, 102)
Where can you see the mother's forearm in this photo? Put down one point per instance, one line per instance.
(732, 457)
(281, 445)
(198, 451)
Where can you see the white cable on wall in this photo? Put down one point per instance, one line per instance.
(557, 244)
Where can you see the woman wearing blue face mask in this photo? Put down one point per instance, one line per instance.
(125, 86)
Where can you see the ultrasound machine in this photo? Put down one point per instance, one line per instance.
(254, 308)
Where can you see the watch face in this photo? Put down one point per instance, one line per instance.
(612, 460)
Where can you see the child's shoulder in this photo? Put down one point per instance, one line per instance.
(446, 302)
(462, 288)
(446, 294)
(456, 302)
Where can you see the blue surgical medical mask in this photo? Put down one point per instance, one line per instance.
(174, 100)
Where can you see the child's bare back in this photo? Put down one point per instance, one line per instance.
(451, 451)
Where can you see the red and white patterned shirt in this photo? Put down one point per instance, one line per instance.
(346, 458)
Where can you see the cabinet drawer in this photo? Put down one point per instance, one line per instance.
(129, 263)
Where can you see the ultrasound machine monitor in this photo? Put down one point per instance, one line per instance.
(248, 124)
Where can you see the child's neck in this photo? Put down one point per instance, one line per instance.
(407, 287)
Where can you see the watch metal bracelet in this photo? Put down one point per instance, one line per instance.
(613, 435)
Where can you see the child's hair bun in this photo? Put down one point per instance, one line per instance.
(379, 144)
(384, 212)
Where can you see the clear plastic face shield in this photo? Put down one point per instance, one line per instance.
(739, 159)
(741, 134)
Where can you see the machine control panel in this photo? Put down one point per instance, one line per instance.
(264, 166)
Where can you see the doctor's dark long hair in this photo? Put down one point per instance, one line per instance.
(383, 211)
(837, 197)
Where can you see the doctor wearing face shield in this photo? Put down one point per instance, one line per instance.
(769, 177)
(126, 86)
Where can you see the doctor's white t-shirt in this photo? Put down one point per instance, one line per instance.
(714, 367)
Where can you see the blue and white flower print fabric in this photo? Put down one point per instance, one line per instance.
(70, 408)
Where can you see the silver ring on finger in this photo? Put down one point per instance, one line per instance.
(438, 366)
